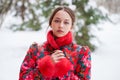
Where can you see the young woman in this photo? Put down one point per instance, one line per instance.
(58, 58)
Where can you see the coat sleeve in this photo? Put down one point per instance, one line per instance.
(29, 70)
(83, 68)
(36, 65)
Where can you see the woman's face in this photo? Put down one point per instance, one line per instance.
(61, 23)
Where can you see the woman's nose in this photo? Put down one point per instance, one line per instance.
(61, 24)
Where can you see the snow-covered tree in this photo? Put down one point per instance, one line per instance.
(87, 13)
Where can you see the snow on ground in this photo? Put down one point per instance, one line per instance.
(105, 60)
(13, 48)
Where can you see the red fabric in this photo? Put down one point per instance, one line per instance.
(62, 67)
(59, 41)
(38, 64)
(46, 66)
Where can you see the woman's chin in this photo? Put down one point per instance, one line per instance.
(60, 35)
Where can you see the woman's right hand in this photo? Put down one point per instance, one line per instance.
(57, 55)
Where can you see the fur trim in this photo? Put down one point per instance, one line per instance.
(62, 67)
(46, 66)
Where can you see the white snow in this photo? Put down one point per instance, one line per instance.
(105, 60)
(13, 48)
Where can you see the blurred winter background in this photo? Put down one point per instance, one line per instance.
(105, 58)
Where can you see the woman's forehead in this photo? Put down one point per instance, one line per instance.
(61, 14)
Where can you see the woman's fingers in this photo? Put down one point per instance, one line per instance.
(57, 59)
(57, 55)
(57, 51)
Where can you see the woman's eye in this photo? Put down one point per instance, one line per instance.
(66, 22)
(56, 21)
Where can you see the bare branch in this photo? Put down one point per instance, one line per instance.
(5, 6)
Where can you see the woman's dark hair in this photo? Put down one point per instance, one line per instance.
(68, 10)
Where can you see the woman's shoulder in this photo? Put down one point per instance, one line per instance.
(76, 46)
(37, 45)
(85, 50)
(81, 49)
(33, 47)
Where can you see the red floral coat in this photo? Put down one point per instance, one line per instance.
(38, 64)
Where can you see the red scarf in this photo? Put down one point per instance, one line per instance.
(58, 42)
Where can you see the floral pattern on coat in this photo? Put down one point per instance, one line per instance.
(78, 56)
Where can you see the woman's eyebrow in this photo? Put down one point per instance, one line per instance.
(60, 18)
(57, 18)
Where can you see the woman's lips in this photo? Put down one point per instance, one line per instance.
(60, 31)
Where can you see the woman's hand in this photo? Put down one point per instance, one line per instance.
(57, 55)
